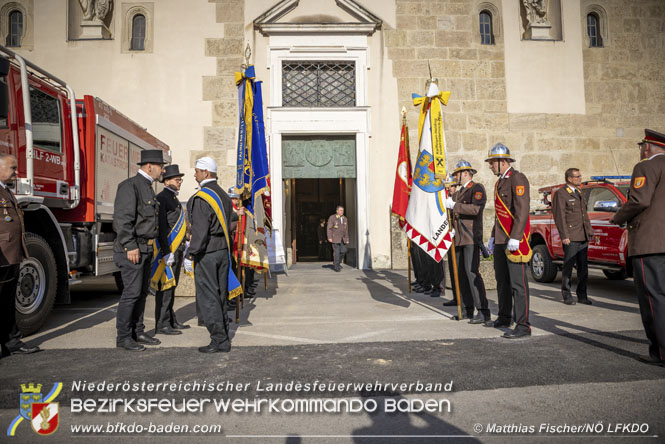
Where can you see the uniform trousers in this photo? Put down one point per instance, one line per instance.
(136, 286)
(164, 299)
(432, 270)
(649, 276)
(338, 254)
(210, 279)
(417, 265)
(10, 335)
(576, 253)
(471, 282)
(512, 289)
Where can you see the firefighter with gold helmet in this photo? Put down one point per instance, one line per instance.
(510, 242)
(467, 205)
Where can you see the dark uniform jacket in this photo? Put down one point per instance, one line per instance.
(644, 211)
(468, 210)
(338, 229)
(514, 192)
(169, 212)
(570, 215)
(207, 232)
(135, 216)
(12, 233)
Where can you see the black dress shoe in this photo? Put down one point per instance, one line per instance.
(584, 301)
(500, 323)
(210, 349)
(179, 326)
(515, 334)
(428, 291)
(130, 344)
(24, 350)
(652, 361)
(478, 319)
(147, 339)
(569, 301)
(168, 331)
(420, 289)
(435, 294)
(452, 303)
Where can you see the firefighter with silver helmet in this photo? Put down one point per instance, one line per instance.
(467, 205)
(510, 242)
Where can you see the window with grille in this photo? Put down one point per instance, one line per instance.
(593, 31)
(138, 33)
(15, 28)
(486, 33)
(45, 120)
(318, 84)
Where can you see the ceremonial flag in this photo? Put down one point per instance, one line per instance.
(426, 221)
(403, 178)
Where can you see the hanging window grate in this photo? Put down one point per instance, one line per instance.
(318, 84)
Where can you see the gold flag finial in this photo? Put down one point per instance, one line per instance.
(403, 112)
(248, 55)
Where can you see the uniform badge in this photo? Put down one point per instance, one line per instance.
(519, 190)
(639, 182)
(45, 417)
(478, 195)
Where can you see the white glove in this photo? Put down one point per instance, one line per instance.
(189, 266)
(513, 245)
(449, 203)
(490, 246)
(169, 259)
(452, 233)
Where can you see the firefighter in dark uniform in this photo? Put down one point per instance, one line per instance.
(135, 222)
(511, 202)
(569, 207)
(338, 236)
(170, 210)
(12, 251)
(468, 204)
(644, 212)
(209, 249)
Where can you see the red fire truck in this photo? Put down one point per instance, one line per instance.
(72, 154)
(607, 249)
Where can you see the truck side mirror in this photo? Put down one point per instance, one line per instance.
(610, 206)
(4, 89)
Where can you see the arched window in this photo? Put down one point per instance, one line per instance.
(486, 32)
(138, 33)
(593, 31)
(15, 28)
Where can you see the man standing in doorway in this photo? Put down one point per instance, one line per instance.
(338, 235)
(569, 207)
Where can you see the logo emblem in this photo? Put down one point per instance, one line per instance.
(478, 195)
(519, 189)
(639, 182)
(29, 394)
(45, 417)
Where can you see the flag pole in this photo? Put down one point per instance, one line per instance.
(408, 241)
(455, 271)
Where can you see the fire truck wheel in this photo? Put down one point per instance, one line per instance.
(37, 284)
(542, 267)
(118, 281)
(614, 275)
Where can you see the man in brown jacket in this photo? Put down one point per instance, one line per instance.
(512, 189)
(644, 212)
(12, 251)
(569, 207)
(338, 235)
(468, 204)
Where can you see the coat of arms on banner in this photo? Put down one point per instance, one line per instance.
(45, 417)
(28, 395)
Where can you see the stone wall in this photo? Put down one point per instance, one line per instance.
(623, 82)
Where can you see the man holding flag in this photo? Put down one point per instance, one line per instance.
(426, 219)
(210, 246)
(510, 242)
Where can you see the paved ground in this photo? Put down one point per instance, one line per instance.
(358, 329)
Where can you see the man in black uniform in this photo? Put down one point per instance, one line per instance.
(210, 250)
(644, 211)
(135, 222)
(170, 211)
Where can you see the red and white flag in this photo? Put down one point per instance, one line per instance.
(426, 221)
(403, 178)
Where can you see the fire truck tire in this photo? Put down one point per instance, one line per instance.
(542, 267)
(118, 281)
(37, 285)
(616, 275)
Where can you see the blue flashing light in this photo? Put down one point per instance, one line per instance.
(610, 177)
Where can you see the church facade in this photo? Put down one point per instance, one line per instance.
(562, 83)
